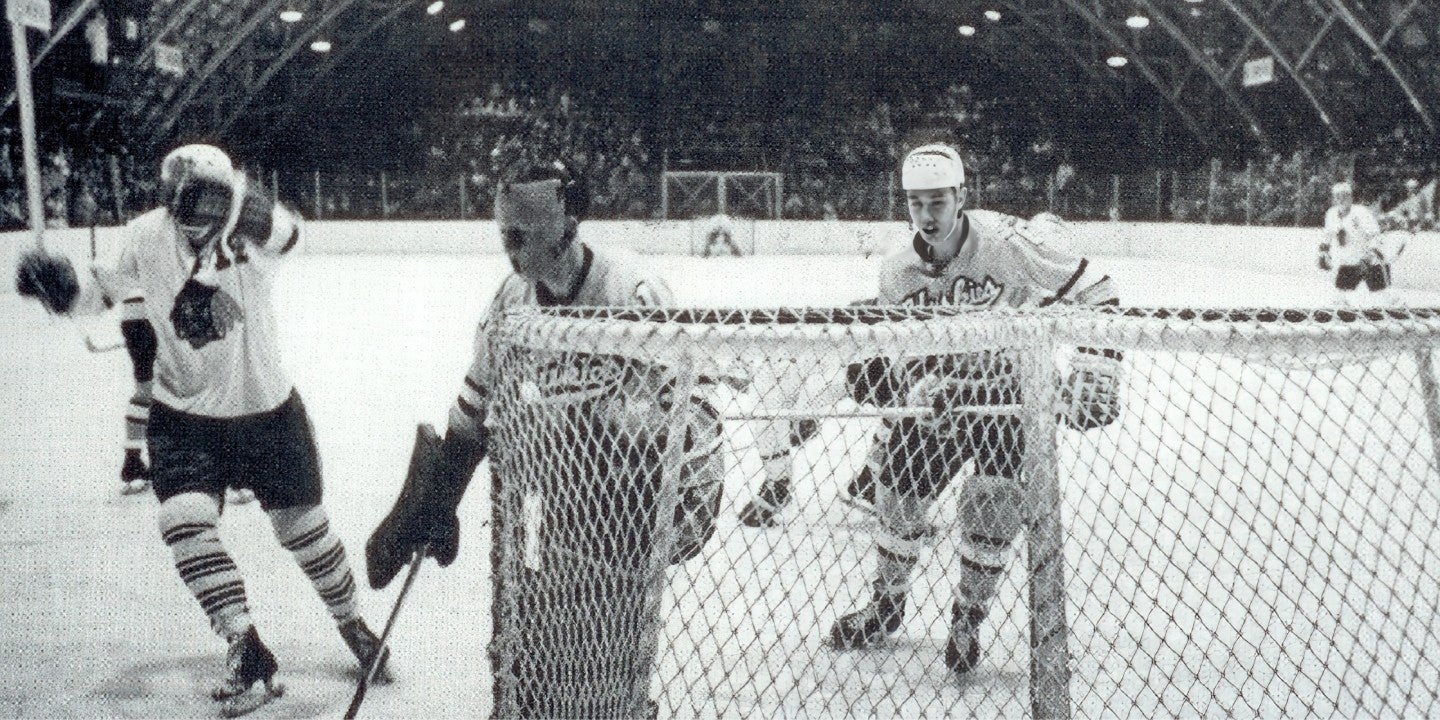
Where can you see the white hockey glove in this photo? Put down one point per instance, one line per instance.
(1090, 397)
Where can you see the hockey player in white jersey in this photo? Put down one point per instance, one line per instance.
(224, 412)
(981, 259)
(1353, 246)
(598, 496)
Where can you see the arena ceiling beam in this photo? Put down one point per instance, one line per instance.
(1204, 62)
(1044, 24)
(312, 82)
(236, 109)
(159, 122)
(70, 22)
(1207, 137)
(1399, 75)
(1261, 34)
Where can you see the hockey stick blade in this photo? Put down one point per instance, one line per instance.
(369, 676)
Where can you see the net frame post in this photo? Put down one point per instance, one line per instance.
(1430, 388)
(1049, 648)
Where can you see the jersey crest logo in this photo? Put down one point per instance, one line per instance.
(203, 314)
(966, 291)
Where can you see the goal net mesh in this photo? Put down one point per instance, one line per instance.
(1254, 535)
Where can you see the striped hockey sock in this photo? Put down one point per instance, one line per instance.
(187, 524)
(306, 533)
(137, 417)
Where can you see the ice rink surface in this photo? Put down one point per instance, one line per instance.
(94, 621)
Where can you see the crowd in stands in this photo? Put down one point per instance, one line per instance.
(836, 164)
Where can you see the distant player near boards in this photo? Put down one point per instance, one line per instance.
(596, 505)
(981, 259)
(224, 412)
(1353, 248)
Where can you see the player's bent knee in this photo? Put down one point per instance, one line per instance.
(991, 505)
(187, 513)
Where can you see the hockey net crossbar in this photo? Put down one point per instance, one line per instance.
(1256, 533)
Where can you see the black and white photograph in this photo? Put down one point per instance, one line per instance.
(697, 359)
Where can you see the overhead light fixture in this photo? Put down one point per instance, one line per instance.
(435, 7)
(1138, 21)
(1117, 61)
(992, 15)
(967, 30)
(457, 25)
(291, 16)
(320, 46)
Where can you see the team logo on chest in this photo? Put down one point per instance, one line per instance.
(967, 291)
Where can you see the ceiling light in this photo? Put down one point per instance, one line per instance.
(967, 30)
(457, 25)
(291, 16)
(1138, 21)
(435, 7)
(320, 46)
(1117, 61)
(992, 15)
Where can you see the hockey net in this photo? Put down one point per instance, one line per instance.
(1254, 535)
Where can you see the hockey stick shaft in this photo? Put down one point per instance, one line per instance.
(369, 675)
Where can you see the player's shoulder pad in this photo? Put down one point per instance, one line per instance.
(627, 280)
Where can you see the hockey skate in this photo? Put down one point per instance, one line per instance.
(134, 474)
(871, 625)
(774, 495)
(248, 663)
(365, 644)
(962, 652)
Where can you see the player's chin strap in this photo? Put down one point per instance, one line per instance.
(369, 675)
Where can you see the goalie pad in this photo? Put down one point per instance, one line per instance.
(424, 511)
(49, 278)
(1090, 397)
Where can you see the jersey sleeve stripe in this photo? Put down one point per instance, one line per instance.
(1065, 289)
(473, 385)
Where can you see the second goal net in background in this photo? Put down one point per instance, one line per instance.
(1255, 535)
(722, 207)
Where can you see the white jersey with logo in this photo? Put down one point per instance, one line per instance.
(604, 280)
(1003, 261)
(1352, 235)
(240, 372)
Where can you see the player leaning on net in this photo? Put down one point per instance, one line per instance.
(1354, 248)
(597, 498)
(982, 259)
(224, 412)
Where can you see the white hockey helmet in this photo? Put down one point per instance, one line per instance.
(196, 162)
(198, 182)
(932, 167)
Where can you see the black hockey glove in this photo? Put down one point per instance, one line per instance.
(424, 513)
(1090, 398)
(49, 278)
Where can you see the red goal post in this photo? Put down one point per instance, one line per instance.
(1258, 533)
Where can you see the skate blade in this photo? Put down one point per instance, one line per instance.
(259, 695)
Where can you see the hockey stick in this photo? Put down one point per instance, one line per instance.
(369, 675)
